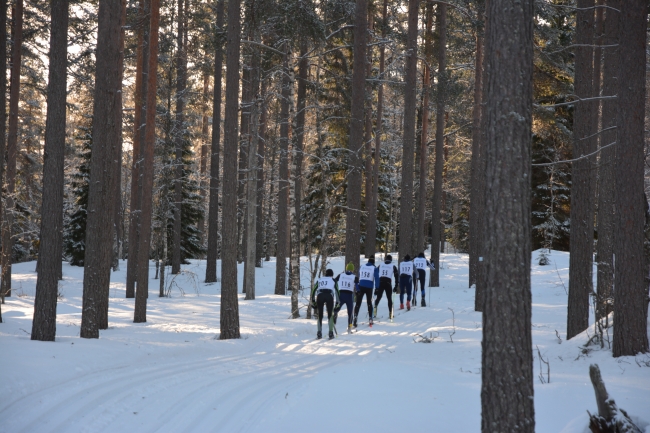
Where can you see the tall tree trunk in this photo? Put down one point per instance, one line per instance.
(179, 137)
(204, 151)
(117, 218)
(371, 227)
(244, 138)
(475, 209)
(251, 177)
(406, 200)
(507, 357)
(298, 146)
(49, 257)
(3, 114)
(269, 227)
(139, 115)
(436, 212)
(12, 145)
(582, 177)
(630, 296)
(213, 210)
(424, 135)
(229, 301)
(283, 182)
(355, 145)
(101, 203)
(606, 179)
(261, 149)
(146, 186)
(367, 140)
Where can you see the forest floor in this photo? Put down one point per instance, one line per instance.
(173, 374)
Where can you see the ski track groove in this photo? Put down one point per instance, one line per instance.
(80, 393)
(106, 400)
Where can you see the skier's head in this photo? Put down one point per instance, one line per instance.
(350, 267)
(421, 255)
(407, 258)
(388, 259)
(329, 273)
(371, 260)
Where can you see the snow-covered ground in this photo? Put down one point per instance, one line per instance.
(172, 375)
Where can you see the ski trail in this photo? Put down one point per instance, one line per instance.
(95, 389)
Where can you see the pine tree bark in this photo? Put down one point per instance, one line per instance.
(106, 116)
(424, 135)
(436, 212)
(203, 166)
(213, 209)
(371, 227)
(3, 115)
(355, 144)
(229, 301)
(146, 186)
(12, 144)
(507, 374)
(367, 141)
(244, 139)
(475, 210)
(251, 176)
(298, 147)
(406, 200)
(606, 179)
(139, 115)
(47, 281)
(261, 149)
(630, 296)
(118, 215)
(582, 177)
(283, 182)
(181, 84)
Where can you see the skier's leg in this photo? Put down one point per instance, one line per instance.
(402, 289)
(423, 278)
(390, 300)
(369, 301)
(320, 301)
(408, 289)
(329, 303)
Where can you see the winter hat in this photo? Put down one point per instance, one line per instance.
(389, 258)
(421, 255)
(329, 273)
(350, 267)
(371, 260)
(407, 258)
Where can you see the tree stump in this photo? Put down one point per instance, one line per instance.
(610, 418)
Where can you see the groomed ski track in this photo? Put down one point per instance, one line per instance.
(173, 374)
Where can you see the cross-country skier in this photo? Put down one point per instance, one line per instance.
(387, 271)
(420, 263)
(368, 279)
(348, 283)
(405, 282)
(325, 291)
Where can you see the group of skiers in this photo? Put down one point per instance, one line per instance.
(331, 293)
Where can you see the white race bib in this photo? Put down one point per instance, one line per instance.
(406, 268)
(386, 270)
(367, 273)
(326, 283)
(346, 282)
(420, 263)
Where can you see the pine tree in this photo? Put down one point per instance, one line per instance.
(74, 235)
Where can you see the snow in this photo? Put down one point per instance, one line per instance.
(172, 373)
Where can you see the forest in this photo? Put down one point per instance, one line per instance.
(144, 136)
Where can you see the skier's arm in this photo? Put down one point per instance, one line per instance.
(336, 280)
(312, 298)
(336, 293)
(396, 274)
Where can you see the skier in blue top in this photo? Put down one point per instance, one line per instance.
(420, 263)
(368, 279)
(348, 286)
